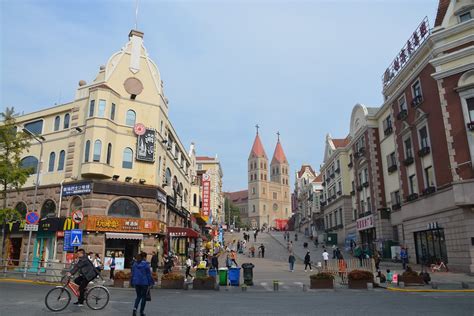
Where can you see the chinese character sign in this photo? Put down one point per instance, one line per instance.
(77, 189)
(206, 195)
(146, 146)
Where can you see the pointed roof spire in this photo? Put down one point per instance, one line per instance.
(279, 154)
(257, 148)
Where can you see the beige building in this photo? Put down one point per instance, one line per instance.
(212, 167)
(269, 194)
(115, 154)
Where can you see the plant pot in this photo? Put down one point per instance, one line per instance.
(118, 282)
(204, 284)
(412, 280)
(359, 284)
(172, 284)
(322, 284)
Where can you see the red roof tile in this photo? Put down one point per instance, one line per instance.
(279, 154)
(257, 148)
(340, 142)
(237, 196)
(442, 8)
(303, 169)
(204, 158)
(319, 178)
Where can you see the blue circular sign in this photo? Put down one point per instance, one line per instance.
(32, 217)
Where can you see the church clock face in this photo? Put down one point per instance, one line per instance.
(275, 206)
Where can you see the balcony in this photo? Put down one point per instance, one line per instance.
(429, 190)
(470, 126)
(417, 101)
(359, 188)
(333, 197)
(388, 131)
(424, 151)
(332, 175)
(408, 161)
(392, 168)
(97, 170)
(402, 115)
(396, 206)
(365, 184)
(350, 164)
(412, 197)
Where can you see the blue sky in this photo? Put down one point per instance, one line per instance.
(297, 67)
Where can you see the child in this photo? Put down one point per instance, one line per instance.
(389, 276)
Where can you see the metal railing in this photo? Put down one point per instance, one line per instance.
(50, 271)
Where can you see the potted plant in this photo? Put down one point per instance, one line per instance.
(410, 277)
(172, 281)
(322, 280)
(120, 277)
(358, 279)
(204, 283)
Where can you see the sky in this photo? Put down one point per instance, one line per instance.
(297, 67)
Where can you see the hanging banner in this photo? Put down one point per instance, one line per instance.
(206, 194)
(146, 145)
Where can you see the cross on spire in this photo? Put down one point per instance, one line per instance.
(278, 135)
(257, 127)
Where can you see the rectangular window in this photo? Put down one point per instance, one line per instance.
(369, 206)
(402, 103)
(429, 177)
(465, 17)
(470, 108)
(353, 186)
(391, 161)
(416, 89)
(91, 108)
(340, 216)
(101, 108)
(362, 206)
(424, 137)
(354, 215)
(408, 150)
(360, 178)
(395, 198)
(112, 112)
(412, 184)
(336, 218)
(366, 175)
(274, 195)
(387, 123)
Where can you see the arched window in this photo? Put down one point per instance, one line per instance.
(180, 189)
(52, 159)
(185, 196)
(62, 156)
(97, 150)
(48, 209)
(76, 203)
(175, 184)
(131, 117)
(194, 199)
(168, 176)
(31, 163)
(21, 208)
(124, 208)
(66, 120)
(87, 150)
(127, 161)
(109, 153)
(57, 122)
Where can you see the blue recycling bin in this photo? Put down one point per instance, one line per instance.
(234, 276)
(213, 273)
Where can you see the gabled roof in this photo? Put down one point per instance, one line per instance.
(319, 178)
(303, 169)
(257, 149)
(442, 8)
(279, 154)
(238, 196)
(340, 142)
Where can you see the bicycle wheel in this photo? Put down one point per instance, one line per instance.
(97, 297)
(57, 299)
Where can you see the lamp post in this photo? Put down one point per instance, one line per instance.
(40, 140)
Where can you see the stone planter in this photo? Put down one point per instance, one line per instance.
(359, 284)
(172, 284)
(119, 282)
(322, 284)
(412, 280)
(204, 283)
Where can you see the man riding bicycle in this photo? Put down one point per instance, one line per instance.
(87, 273)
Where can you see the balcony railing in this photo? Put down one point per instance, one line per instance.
(402, 115)
(365, 184)
(332, 175)
(424, 151)
(392, 168)
(417, 101)
(429, 190)
(408, 161)
(412, 197)
(388, 131)
(396, 206)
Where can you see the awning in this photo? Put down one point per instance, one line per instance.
(182, 232)
(124, 236)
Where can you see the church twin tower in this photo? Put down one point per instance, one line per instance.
(269, 197)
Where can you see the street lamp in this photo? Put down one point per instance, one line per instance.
(40, 139)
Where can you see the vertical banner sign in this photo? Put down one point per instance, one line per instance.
(206, 194)
(145, 143)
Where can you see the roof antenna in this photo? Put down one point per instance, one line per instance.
(257, 127)
(136, 14)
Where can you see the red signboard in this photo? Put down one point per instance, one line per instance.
(365, 222)
(206, 195)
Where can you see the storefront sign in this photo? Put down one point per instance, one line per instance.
(365, 222)
(206, 194)
(119, 224)
(160, 196)
(77, 188)
(146, 146)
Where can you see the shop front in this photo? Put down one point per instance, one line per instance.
(183, 242)
(123, 237)
(430, 246)
(13, 242)
(367, 233)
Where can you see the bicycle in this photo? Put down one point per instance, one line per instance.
(438, 267)
(58, 298)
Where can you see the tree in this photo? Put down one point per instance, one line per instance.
(13, 144)
(234, 213)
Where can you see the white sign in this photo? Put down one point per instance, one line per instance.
(119, 263)
(77, 216)
(365, 222)
(31, 227)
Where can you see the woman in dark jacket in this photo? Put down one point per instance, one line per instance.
(307, 262)
(142, 280)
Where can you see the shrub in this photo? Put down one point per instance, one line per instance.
(360, 275)
(122, 275)
(173, 276)
(322, 276)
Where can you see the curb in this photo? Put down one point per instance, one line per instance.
(429, 290)
(29, 281)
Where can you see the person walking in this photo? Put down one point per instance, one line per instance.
(296, 237)
(290, 246)
(154, 261)
(262, 250)
(97, 263)
(307, 262)
(377, 259)
(215, 262)
(291, 261)
(112, 265)
(342, 267)
(233, 257)
(189, 264)
(141, 280)
(255, 236)
(325, 258)
(404, 257)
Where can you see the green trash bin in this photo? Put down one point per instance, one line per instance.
(201, 273)
(223, 276)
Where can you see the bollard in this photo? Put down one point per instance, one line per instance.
(275, 285)
(464, 285)
(370, 286)
(305, 288)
